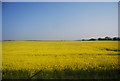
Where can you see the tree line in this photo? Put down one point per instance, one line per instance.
(105, 38)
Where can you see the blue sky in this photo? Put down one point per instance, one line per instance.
(59, 20)
(0, 21)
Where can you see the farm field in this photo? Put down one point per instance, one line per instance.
(60, 59)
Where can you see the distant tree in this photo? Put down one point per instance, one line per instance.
(83, 39)
(108, 38)
(119, 38)
(92, 39)
(101, 39)
(116, 38)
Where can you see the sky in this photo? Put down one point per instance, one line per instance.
(0, 21)
(59, 20)
(60, 0)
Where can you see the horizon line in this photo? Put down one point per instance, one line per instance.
(61, 39)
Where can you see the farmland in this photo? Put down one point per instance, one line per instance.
(60, 59)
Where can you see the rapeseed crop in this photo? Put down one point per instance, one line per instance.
(60, 59)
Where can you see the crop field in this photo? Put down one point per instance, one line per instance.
(60, 59)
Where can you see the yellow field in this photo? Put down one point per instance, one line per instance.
(59, 59)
